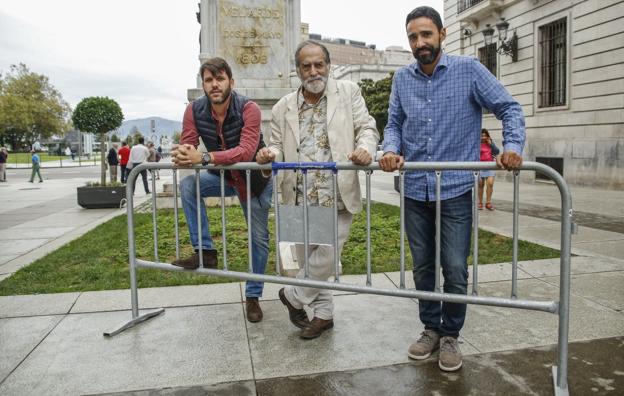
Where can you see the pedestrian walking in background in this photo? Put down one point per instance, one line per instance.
(36, 165)
(154, 156)
(139, 154)
(113, 160)
(124, 156)
(4, 155)
(489, 153)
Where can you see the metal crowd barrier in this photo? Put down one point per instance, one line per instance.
(560, 308)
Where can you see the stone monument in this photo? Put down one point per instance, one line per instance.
(258, 39)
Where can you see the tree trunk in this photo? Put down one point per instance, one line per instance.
(103, 158)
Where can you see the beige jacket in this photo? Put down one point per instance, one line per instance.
(349, 126)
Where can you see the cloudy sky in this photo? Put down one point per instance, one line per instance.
(144, 53)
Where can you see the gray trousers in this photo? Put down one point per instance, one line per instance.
(113, 173)
(321, 267)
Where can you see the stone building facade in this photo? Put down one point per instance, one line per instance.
(568, 76)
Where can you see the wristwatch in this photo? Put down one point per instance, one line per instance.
(206, 158)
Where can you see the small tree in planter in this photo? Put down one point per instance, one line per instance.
(98, 115)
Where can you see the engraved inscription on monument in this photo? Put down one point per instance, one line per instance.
(251, 34)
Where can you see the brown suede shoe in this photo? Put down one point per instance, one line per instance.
(192, 262)
(254, 312)
(316, 328)
(298, 317)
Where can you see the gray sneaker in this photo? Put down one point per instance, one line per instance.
(450, 355)
(428, 342)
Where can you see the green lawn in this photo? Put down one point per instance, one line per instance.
(24, 158)
(99, 259)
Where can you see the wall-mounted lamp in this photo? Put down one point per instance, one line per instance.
(506, 47)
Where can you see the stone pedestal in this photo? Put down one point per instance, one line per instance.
(258, 39)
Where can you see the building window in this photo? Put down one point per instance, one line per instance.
(553, 63)
(487, 56)
(554, 162)
(463, 5)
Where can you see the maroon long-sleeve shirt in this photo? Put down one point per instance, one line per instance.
(244, 152)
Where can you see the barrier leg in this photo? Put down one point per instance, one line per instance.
(134, 322)
(134, 297)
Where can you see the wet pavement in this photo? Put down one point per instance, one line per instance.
(53, 344)
(586, 219)
(596, 368)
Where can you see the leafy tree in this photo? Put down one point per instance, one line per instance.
(377, 96)
(114, 138)
(176, 137)
(98, 115)
(136, 136)
(30, 107)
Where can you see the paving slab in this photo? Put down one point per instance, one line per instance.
(504, 220)
(377, 280)
(605, 288)
(523, 372)
(182, 347)
(21, 246)
(369, 331)
(5, 259)
(578, 265)
(242, 388)
(19, 336)
(33, 304)
(606, 248)
(156, 297)
(14, 233)
(496, 329)
(485, 273)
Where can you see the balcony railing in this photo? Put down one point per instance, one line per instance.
(463, 5)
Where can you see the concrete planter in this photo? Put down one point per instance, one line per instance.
(100, 197)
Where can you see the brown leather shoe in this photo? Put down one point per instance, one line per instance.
(316, 328)
(254, 312)
(192, 262)
(298, 317)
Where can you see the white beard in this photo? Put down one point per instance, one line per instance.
(316, 85)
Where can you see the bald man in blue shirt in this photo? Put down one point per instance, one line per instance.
(435, 115)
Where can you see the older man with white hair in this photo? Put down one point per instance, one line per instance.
(325, 120)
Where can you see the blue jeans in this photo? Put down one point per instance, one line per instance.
(445, 318)
(210, 186)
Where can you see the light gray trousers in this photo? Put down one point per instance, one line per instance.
(321, 267)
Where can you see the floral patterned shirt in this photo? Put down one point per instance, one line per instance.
(314, 147)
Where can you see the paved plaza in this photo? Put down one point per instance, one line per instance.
(202, 344)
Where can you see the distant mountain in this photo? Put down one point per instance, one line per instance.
(162, 127)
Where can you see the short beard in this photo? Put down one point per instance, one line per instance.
(226, 95)
(315, 85)
(427, 59)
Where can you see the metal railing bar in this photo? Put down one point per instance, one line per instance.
(475, 234)
(176, 224)
(545, 306)
(223, 222)
(368, 229)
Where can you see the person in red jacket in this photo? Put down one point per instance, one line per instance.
(124, 155)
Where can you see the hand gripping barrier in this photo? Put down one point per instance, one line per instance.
(560, 307)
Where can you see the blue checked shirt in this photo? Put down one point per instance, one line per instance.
(437, 118)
